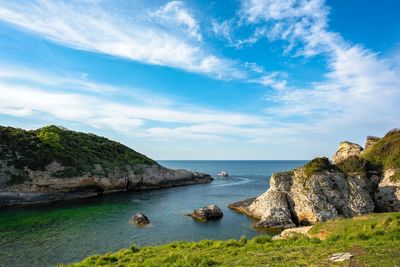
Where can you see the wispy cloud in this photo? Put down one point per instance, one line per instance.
(41, 95)
(360, 88)
(93, 27)
(174, 14)
(168, 35)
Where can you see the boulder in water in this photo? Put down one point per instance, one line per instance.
(140, 218)
(206, 213)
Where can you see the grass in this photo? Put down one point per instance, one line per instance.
(373, 239)
(78, 152)
(385, 153)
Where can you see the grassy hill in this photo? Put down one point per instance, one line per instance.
(76, 151)
(373, 240)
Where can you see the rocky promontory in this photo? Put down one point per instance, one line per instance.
(53, 163)
(357, 181)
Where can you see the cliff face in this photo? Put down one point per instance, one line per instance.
(359, 182)
(53, 163)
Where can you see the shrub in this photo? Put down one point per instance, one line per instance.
(353, 164)
(48, 137)
(317, 166)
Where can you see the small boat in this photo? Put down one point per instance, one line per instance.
(223, 174)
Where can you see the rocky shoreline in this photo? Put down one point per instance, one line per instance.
(43, 188)
(357, 181)
(36, 170)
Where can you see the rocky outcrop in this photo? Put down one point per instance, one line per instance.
(293, 199)
(291, 232)
(346, 150)
(388, 194)
(371, 141)
(41, 185)
(140, 218)
(357, 183)
(53, 163)
(207, 213)
(156, 176)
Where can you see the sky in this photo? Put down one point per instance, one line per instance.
(232, 79)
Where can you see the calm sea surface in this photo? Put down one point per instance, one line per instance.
(70, 231)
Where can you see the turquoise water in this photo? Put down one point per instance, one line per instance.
(70, 231)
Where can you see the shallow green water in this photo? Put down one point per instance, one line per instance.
(70, 231)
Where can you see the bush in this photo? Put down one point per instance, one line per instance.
(353, 164)
(317, 166)
(49, 137)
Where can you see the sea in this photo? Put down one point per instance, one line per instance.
(66, 232)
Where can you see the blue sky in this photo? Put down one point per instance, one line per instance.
(234, 79)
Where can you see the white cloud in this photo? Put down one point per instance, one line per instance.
(297, 21)
(91, 27)
(150, 37)
(360, 89)
(256, 10)
(176, 14)
(222, 29)
(40, 95)
(276, 80)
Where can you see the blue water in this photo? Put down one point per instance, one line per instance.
(70, 231)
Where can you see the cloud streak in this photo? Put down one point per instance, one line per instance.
(40, 95)
(360, 89)
(174, 14)
(90, 27)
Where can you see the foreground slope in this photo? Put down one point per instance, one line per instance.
(53, 163)
(373, 240)
(359, 181)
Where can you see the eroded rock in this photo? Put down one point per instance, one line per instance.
(388, 194)
(339, 257)
(346, 149)
(140, 218)
(207, 213)
(357, 183)
(296, 199)
(288, 233)
(272, 209)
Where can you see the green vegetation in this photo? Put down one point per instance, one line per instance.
(49, 136)
(78, 152)
(353, 164)
(373, 240)
(317, 166)
(385, 153)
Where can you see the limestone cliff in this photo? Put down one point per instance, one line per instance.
(359, 182)
(53, 163)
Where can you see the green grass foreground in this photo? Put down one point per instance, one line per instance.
(373, 240)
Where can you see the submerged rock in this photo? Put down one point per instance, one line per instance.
(140, 218)
(207, 213)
